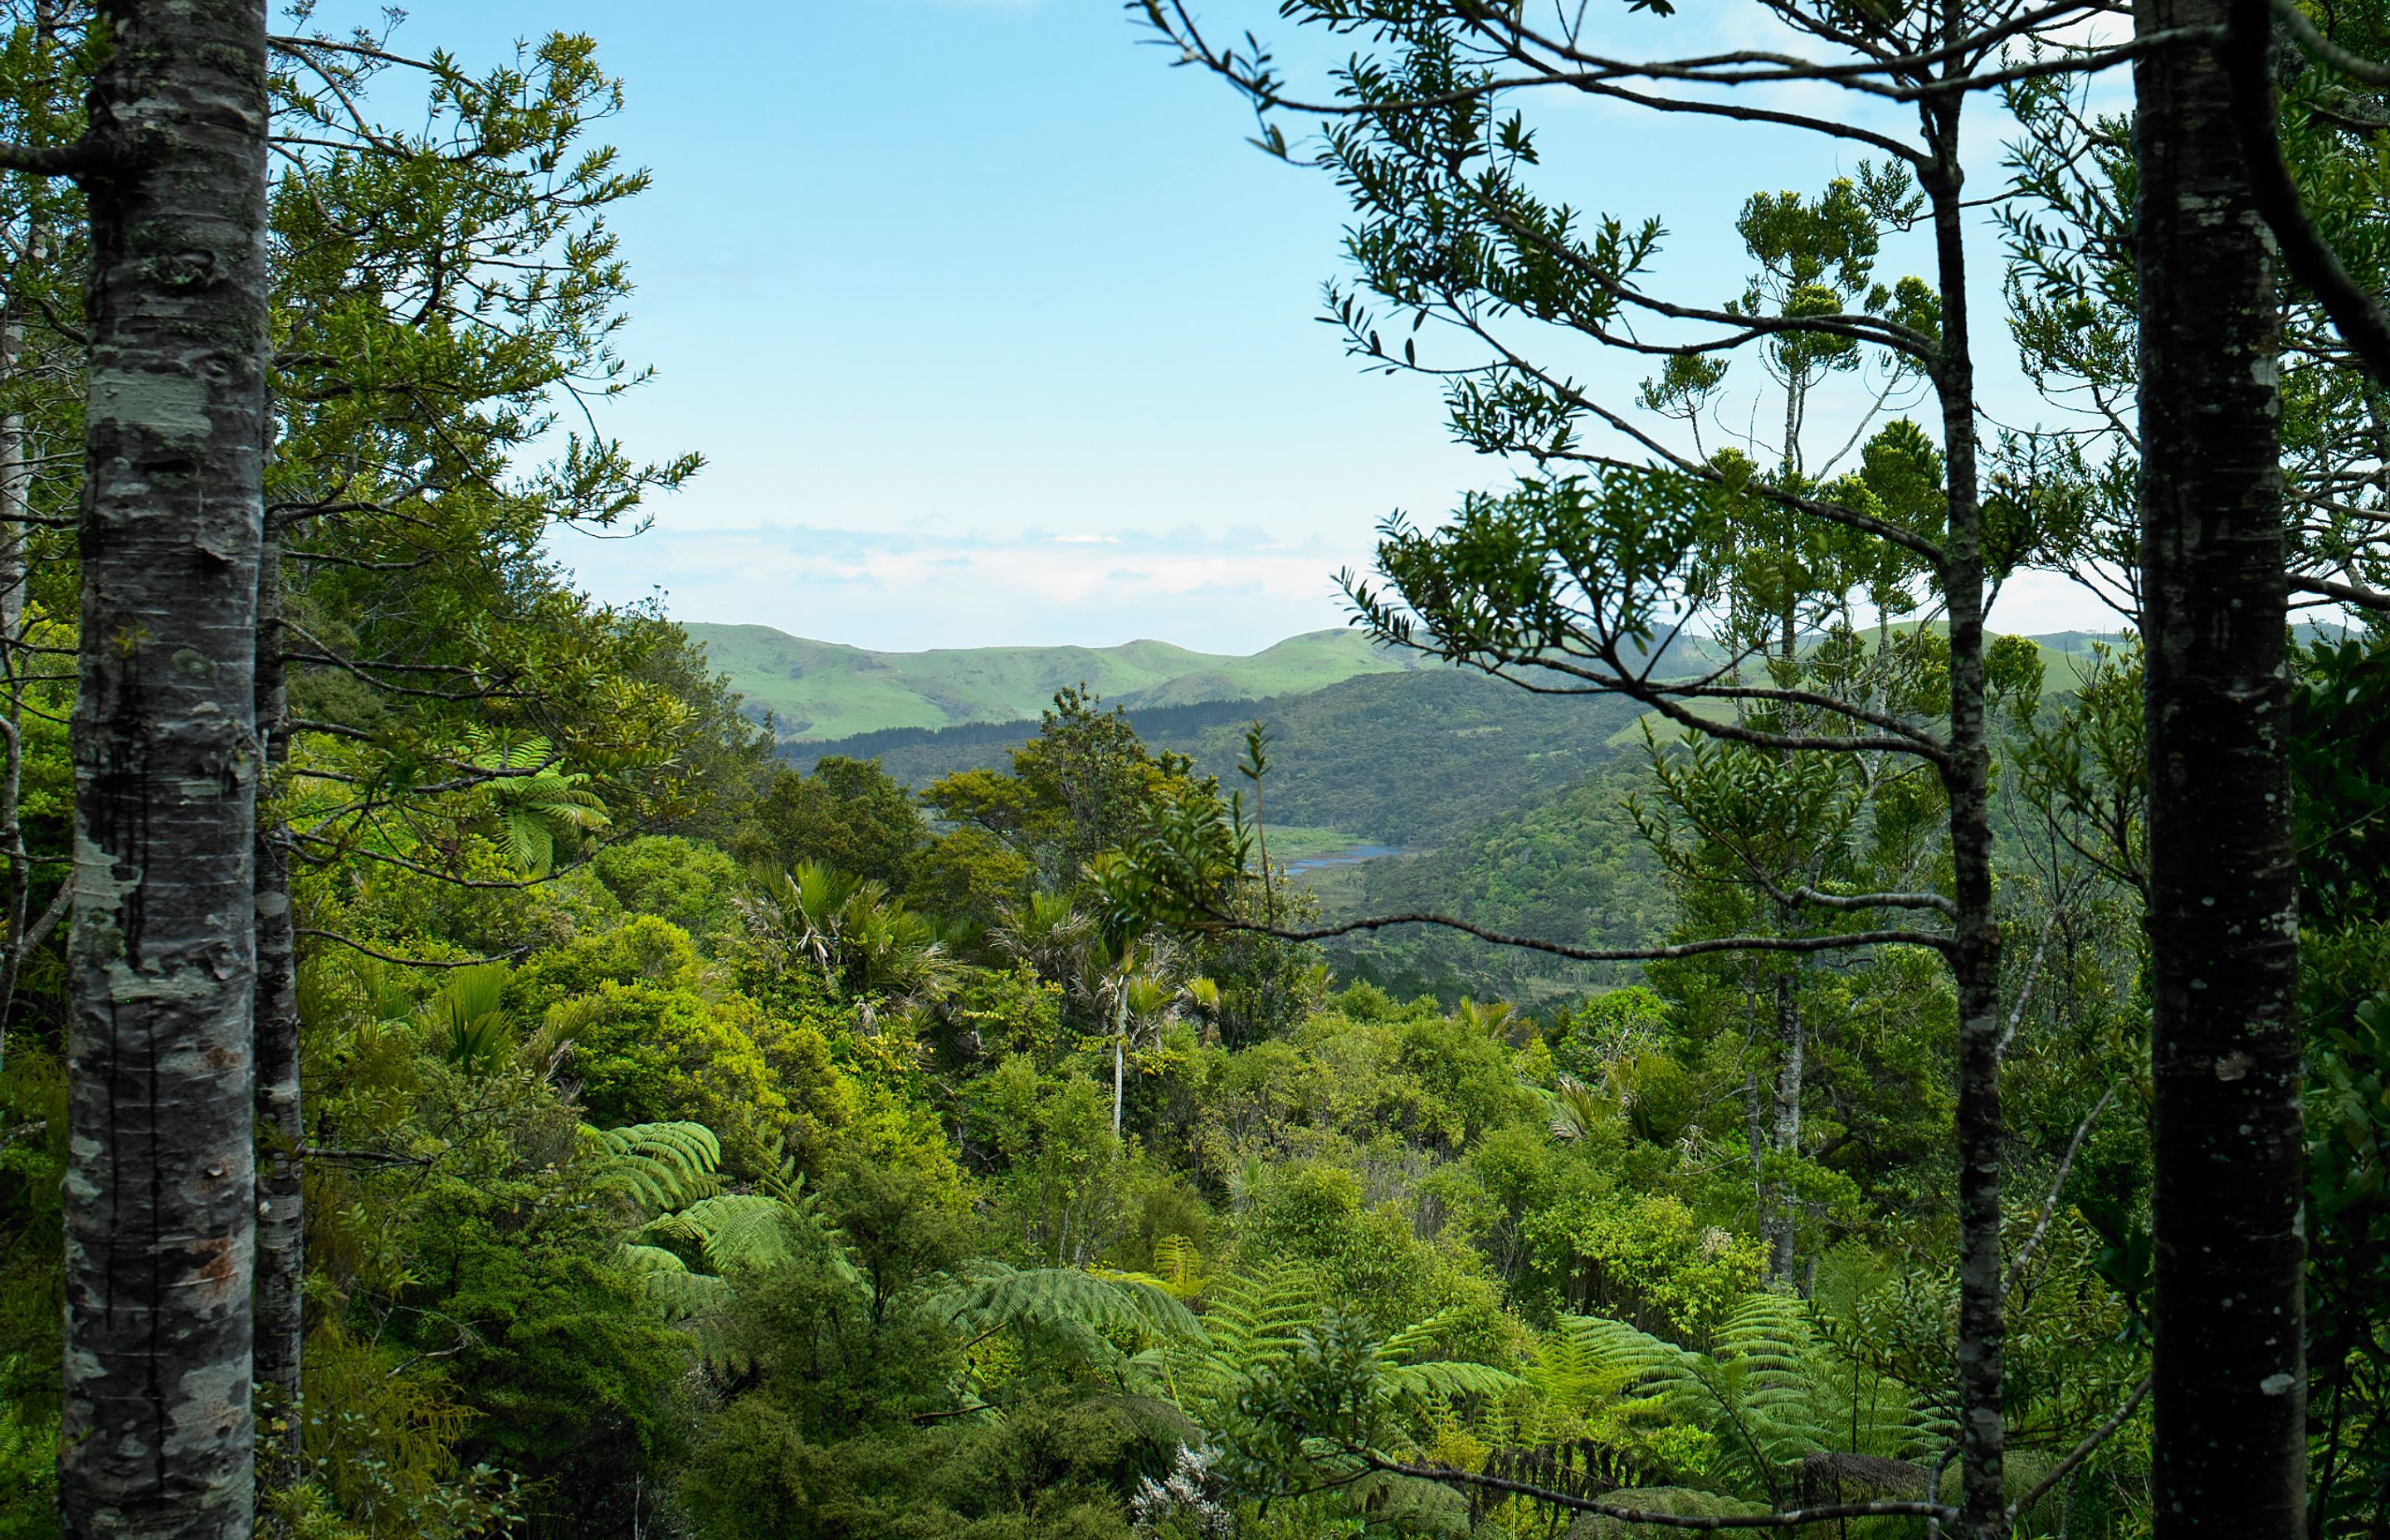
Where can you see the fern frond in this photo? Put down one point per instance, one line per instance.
(1759, 1393)
(1423, 1336)
(1180, 1265)
(661, 1165)
(1447, 1378)
(1089, 1311)
(750, 1232)
(670, 1287)
(1249, 1316)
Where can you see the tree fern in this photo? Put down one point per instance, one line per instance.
(1249, 1318)
(668, 1285)
(1179, 1266)
(1446, 1378)
(659, 1165)
(734, 1236)
(1770, 1393)
(740, 1233)
(534, 802)
(1762, 1383)
(1094, 1314)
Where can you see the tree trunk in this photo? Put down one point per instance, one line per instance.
(281, 1227)
(1786, 1142)
(2231, 1452)
(1976, 955)
(13, 483)
(1119, 1051)
(159, 1202)
(16, 478)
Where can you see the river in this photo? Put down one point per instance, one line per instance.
(1352, 856)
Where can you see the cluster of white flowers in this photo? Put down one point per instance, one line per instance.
(1187, 1504)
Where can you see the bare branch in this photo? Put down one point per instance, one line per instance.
(355, 946)
(2084, 1450)
(1790, 1519)
(72, 160)
(1216, 921)
(2065, 1168)
(2344, 593)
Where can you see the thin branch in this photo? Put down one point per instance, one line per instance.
(2342, 592)
(1849, 903)
(39, 931)
(2084, 1450)
(1790, 1519)
(325, 45)
(1884, 530)
(2050, 1205)
(2355, 66)
(1215, 920)
(2032, 977)
(375, 1157)
(355, 946)
(51, 160)
(1661, 698)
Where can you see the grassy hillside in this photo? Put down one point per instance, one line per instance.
(818, 691)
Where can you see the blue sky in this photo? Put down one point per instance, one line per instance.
(993, 330)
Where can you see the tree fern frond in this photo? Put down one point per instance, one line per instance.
(1180, 1267)
(1088, 1310)
(1423, 1336)
(749, 1232)
(1250, 1315)
(670, 1287)
(661, 1165)
(1447, 1378)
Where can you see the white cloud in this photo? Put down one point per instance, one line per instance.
(1235, 590)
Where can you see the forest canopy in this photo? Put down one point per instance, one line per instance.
(459, 1078)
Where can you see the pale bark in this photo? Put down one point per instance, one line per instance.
(1120, 1047)
(12, 610)
(2230, 1439)
(159, 1202)
(16, 478)
(281, 1218)
(1792, 1061)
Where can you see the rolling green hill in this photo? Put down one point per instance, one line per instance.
(1485, 799)
(1399, 758)
(1402, 757)
(822, 690)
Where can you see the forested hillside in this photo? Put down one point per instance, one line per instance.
(1401, 759)
(822, 691)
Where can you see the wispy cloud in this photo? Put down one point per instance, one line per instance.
(1237, 588)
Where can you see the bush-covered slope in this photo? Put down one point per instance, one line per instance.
(825, 690)
(1402, 759)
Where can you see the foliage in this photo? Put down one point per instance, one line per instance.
(747, 1162)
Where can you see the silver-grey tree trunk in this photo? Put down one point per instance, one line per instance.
(1779, 1218)
(281, 1217)
(161, 1210)
(2230, 1453)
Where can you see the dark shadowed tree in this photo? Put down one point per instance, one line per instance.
(2252, 475)
(2230, 1443)
(159, 1208)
